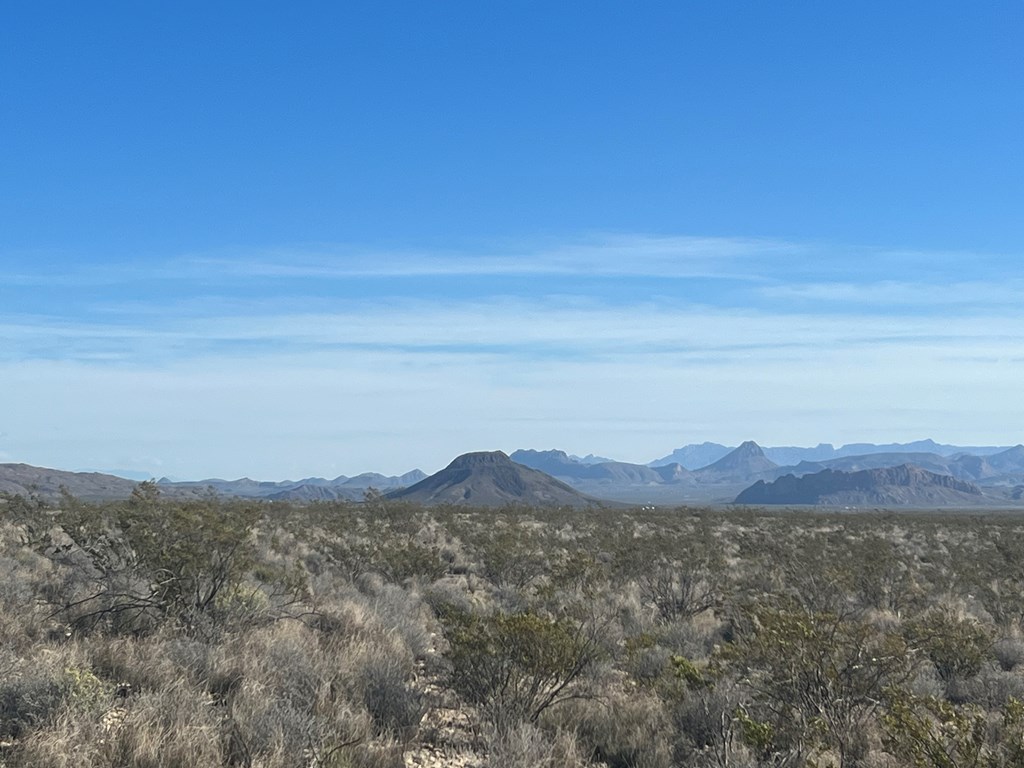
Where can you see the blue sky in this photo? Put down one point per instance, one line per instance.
(276, 241)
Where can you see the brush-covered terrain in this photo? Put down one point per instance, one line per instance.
(193, 633)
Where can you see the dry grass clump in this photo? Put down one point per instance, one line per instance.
(285, 695)
(621, 729)
(527, 746)
(170, 728)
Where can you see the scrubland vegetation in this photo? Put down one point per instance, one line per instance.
(164, 633)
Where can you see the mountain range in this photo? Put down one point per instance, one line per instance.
(699, 455)
(552, 476)
(25, 480)
(308, 489)
(999, 473)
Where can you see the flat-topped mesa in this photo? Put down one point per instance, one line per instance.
(481, 459)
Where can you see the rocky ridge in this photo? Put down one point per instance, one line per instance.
(905, 485)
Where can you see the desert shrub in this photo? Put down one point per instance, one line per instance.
(402, 560)
(580, 572)
(30, 700)
(70, 741)
(998, 576)
(677, 579)
(704, 720)
(932, 733)
(132, 566)
(990, 689)
(958, 647)
(817, 679)
(507, 555)
(645, 659)
(880, 575)
(189, 656)
(1009, 652)
(694, 637)
(451, 592)
(295, 694)
(378, 537)
(925, 682)
(515, 666)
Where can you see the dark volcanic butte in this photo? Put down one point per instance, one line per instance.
(491, 479)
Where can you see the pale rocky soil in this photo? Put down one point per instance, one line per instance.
(448, 731)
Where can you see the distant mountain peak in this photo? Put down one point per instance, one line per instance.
(748, 458)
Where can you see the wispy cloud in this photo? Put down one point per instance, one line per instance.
(607, 255)
(895, 294)
(516, 327)
(745, 271)
(600, 255)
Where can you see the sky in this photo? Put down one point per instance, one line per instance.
(289, 240)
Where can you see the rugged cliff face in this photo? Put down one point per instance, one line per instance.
(905, 485)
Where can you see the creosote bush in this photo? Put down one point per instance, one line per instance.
(515, 666)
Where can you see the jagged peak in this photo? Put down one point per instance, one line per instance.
(747, 457)
(553, 453)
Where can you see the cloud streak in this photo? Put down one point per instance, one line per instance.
(937, 297)
(516, 327)
(604, 255)
(597, 255)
